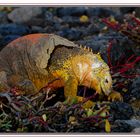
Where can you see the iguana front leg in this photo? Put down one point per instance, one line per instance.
(115, 96)
(70, 92)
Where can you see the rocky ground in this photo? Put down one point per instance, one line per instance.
(82, 25)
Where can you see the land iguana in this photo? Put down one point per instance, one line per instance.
(36, 60)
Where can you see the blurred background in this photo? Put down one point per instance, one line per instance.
(74, 23)
(80, 24)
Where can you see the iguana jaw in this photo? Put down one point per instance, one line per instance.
(106, 83)
(102, 82)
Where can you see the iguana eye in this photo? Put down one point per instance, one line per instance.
(106, 80)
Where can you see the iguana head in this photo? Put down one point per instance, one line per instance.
(93, 72)
(101, 72)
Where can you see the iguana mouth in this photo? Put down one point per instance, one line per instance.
(105, 90)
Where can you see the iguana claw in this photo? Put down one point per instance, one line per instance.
(115, 96)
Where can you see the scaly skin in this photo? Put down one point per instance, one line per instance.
(29, 69)
(80, 70)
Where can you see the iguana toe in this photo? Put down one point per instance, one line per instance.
(115, 96)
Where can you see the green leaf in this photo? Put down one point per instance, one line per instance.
(89, 112)
(103, 114)
(44, 117)
(74, 101)
(107, 126)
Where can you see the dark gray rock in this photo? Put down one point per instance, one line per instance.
(99, 43)
(93, 29)
(121, 110)
(135, 88)
(58, 27)
(121, 126)
(48, 16)
(3, 18)
(7, 39)
(25, 15)
(132, 124)
(72, 21)
(101, 12)
(120, 50)
(1, 46)
(136, 131)
(125, 10)
(137, 10)
(37, 29)
(71, 11)
(71, 34)
(114, 9)
(13, 29)
(96, 46)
